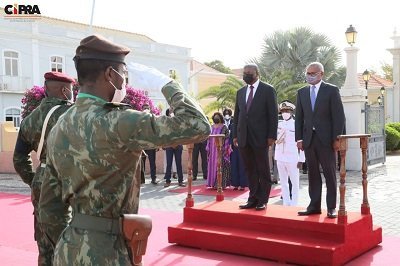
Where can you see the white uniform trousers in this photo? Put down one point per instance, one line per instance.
(287, 170)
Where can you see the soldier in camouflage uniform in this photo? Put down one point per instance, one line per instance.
(93, 163)
(59, 93)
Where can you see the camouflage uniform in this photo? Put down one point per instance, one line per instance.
(93, 167)
(28, 141)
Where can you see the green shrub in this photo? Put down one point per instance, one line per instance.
(397, 127)
(394, 125)
(392, 138)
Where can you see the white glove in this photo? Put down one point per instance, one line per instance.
(145, 77)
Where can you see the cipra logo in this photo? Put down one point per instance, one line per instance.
(17, 11)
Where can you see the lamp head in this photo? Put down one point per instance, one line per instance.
(382, 91)
(366, 75)
(351, 35)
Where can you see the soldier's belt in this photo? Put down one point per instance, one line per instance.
(102, 224)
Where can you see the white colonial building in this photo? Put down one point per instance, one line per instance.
(30, 49)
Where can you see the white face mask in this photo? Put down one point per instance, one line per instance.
(286, 116)
(71, 100)
(227, 117)
(119, 94)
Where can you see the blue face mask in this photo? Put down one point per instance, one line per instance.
(312, 79)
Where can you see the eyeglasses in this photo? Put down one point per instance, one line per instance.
(125, 72)
(313, 74)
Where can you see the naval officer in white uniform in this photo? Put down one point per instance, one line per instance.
(288, 157)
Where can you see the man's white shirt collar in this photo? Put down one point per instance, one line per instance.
(316, 87)
(255, 86)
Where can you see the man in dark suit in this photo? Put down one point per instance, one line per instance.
(254, 130)
(199, 147)
(319, 121)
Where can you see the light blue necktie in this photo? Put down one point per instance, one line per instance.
(313, 97)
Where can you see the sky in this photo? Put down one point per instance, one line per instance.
(233, 31)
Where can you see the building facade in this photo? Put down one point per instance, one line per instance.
(201, 78)
(29, 49)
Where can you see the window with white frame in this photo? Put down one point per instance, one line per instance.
(10, 63)
(13, 114)
(57, 64)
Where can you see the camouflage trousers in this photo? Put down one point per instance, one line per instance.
(45, 247)
(87, 247)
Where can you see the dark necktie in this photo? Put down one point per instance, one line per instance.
(250, 98)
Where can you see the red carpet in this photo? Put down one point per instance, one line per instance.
(17, 247)
(228, 192)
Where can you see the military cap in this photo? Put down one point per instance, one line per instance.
(58, 76)
(98, 47)
(287, 105)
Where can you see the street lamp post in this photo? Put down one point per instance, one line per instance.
(353, 98)
(366, 77)
(382, 90)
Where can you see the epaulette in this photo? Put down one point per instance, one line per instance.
(116, 105)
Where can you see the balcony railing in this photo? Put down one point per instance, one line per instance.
(15, 84)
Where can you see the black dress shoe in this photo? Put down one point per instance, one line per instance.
(332, 213)
(308, 212)
(260, 207)
(248, 205)
(154, 182)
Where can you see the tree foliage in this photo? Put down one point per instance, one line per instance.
(224, 95)
(218, 65)
(282, 83)
(291, 51)
(387, 71)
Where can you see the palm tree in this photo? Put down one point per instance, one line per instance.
(291, 51)
(224, 95)
(282, 83)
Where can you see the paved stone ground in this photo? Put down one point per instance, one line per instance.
(383, 194)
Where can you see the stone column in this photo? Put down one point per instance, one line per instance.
(395, 51)
(354, 99)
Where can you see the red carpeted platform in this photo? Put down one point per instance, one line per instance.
(277, 233)
(228, 192)
(17, 247)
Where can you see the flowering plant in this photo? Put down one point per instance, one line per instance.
(31, 100)
(137, 98)
(34, 96)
